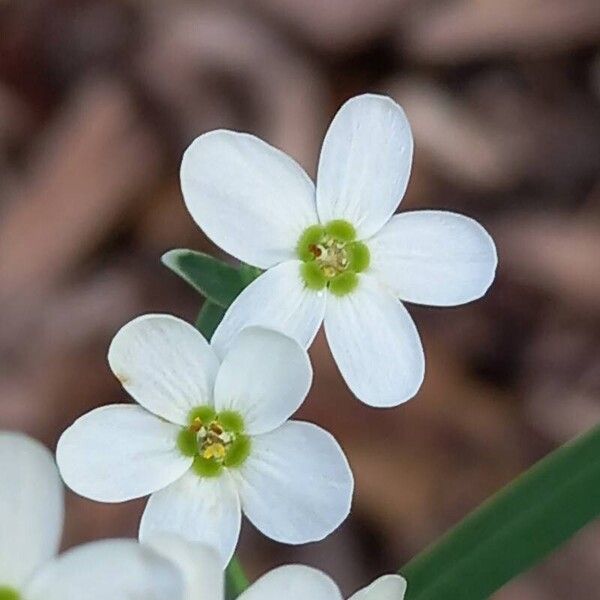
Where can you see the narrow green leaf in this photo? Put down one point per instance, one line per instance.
(514, 529)
(213, 278)
(235, 579)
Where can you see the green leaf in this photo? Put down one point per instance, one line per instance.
(514, 529)
(213, 278)
(248, 274)
(235, 579)
(208, 318)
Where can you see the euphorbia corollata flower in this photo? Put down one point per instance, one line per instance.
(31, 522)
(210, 438)
(336, 253)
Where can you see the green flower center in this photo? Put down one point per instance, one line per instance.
(8, 593)
(332, 257)
(215, 441)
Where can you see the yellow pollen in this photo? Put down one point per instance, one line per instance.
(215, 450)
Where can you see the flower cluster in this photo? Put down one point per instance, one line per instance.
(210, 436)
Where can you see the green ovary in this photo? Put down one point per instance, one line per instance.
(214, 441)
(8, 593)
(332, 257)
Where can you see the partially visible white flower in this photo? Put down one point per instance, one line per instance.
(337, 253)
(31, 521)
(210, 438)
(298, 582)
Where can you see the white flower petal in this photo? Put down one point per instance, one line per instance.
(434, 257)
(199, 509)
(108, 569)
(293, 582)
(165, 364)
(365, 163)
(120, 452)
(200, 565)
(31, 507)
(388, 587)
(375, 344)
(249, 198)
(296, 485)
(264, 377)
(279, 300)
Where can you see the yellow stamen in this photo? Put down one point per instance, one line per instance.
(196, 425)
(216, 428)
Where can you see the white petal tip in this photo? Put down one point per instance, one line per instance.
(387, 587)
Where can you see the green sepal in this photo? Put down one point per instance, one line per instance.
(359, 257)
(238, 452)
(213, 278)
(231, 421)
(341, 230)
(313, 277)
(8, 593)
(206, 467)
(311, 236)
(187, 443)
(205, 413)
(344, 283)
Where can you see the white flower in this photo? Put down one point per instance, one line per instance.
(298, 582)
(31, 521)
(335, 253)
(210, 438)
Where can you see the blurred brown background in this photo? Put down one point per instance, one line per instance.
(98, 100)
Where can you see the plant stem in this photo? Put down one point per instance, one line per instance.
(209, 317)
(235, 579)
